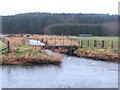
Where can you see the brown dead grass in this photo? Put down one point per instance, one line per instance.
(17, 41)
(62, 51)
(49, 39)
(99, 54)
(31, 60)
(30, 55)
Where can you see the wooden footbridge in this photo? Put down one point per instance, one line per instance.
(70, 48)
(59, 46)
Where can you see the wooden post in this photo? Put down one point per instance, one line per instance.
(103, 44)
(41, 40)
(81, 43)
(8, 45)
(95, 43)
(88, 43)
(111, 44)
(118, 44)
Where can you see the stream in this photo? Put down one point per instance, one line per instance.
(73, 72)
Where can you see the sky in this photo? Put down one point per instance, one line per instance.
(11, 7)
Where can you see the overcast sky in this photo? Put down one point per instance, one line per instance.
(10, 7)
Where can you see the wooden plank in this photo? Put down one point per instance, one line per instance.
(69, 46)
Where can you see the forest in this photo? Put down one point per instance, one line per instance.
(43, 23)
(74, 29)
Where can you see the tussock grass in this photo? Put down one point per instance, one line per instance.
(48, 39)
(17, 41)
(24, 54)
(54, 39)
(31, 60)
(98, 54)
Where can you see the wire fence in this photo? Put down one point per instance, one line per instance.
(5, 45)
(98, 44)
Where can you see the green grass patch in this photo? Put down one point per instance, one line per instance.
(88, 42)
(24, 46)
(95, 38)
(2, 46)
(25, 50)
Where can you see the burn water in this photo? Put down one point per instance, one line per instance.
(73, 72)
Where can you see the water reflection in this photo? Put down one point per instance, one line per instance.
(73, 72)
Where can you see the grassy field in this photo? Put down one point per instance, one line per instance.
(109, 42)
(95, 38)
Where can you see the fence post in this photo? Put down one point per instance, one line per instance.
(118, 45)
(88, 43)
(81, 43)
(111, 44)
(95, 43)
(103, 44)
(8, 45)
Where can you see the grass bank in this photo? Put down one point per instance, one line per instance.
(98, 54)
(28, 55)
(110, 51)
(24, 54)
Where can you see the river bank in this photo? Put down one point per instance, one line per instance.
(73, 72)
(93, 53)
(27, 55)
(96, 54)
(24, 54)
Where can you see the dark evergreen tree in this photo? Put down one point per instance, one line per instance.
(37, 22)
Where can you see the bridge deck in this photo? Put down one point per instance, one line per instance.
(59, 46)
